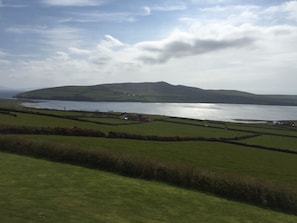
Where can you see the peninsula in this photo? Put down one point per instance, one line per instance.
(154, 92)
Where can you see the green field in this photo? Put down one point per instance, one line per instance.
(265, 157)
(274, 141)
(218, 157)
(40, 191)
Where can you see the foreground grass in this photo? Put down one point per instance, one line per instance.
(242, 188)
(35, 190)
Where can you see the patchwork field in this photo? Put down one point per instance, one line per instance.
(251, 163)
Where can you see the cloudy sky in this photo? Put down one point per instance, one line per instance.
(248, 45)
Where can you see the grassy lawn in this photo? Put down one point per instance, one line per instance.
(35, 190)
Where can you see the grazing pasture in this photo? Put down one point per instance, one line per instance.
(34, 190)
(252, 163)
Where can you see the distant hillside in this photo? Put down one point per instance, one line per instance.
(155, 92)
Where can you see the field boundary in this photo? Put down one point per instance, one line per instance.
(75, 131)
(245, 189)
(235, 129)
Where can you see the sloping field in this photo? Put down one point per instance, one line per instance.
(35, 190)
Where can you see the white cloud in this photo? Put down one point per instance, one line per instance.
(4, 58)
(288, 9)
(113, 53)
(59, 36)
(10, 5)
(23, 29)
(183, 44)
(239, 14)
(170, 6)
(212, 2)
(78, 51)
(234, 47)
(3, 53)
(5, 62)
(62, 56)
(55, 70)
(147, 10)
(234, 14)
(247, 57)
(121, 16)
(78, 3)
(99, 16)
(110, 42)
(62, 36)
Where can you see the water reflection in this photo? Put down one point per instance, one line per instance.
(220, 112)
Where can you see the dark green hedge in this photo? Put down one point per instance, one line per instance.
(75, 131)
(236, 188)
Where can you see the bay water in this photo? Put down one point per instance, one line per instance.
(203, 111)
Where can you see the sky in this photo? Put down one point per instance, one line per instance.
(248, 45)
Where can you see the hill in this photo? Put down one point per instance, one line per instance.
(155, 92)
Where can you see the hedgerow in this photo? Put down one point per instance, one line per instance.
(244, 189)
(75, 131)
(125, 135)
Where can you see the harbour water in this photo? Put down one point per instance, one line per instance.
(203, 111)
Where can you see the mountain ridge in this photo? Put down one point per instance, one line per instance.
(154, 92)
